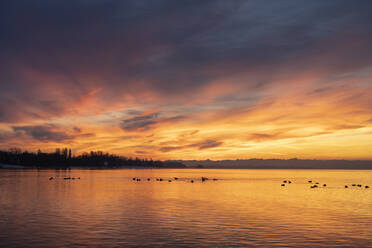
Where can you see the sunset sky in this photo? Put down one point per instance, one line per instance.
(188, 79)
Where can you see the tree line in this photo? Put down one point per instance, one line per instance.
(63, 158)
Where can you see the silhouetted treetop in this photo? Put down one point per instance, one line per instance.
(63, 158)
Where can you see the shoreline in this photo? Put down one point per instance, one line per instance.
(20, 167)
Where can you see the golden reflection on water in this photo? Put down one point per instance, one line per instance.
(106, 208)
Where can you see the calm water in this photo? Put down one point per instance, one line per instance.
(243, 208)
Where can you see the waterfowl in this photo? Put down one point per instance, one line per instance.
(160, 179)
(170, 181)
(314, 186)
(353, 184)
(192, 181)
(366, 186)
(138, 179)
(176, 178)
(51, 178)
(285, 181)
(316, 183)
(346, 186)
(359, 185)
(204, 178)
(283, 184)
(289, 182)
(310, 181)
(148, 179)
(215, 179)
(134, 179)
(324, 185)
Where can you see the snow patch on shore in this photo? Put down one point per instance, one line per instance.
(11, 166)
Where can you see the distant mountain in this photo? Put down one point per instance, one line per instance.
(279, 164)
(173, 164)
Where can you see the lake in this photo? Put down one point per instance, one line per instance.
(243, 208)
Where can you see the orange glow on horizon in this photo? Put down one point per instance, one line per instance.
(318, 126)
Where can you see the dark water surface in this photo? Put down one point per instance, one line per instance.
(244, 208)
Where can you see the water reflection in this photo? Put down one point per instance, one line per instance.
(106, 208)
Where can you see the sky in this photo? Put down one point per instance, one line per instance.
(188, 79)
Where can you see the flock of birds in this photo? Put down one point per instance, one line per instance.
(66, 178)
(137, 179)
(357, 185)
(316, 184)
(203, 179)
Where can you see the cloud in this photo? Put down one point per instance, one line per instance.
(262, 136)
(221, 67)
(141, 152)
(206, 144)
(77, 129)
(48, 133)
(171, 148)
(43, 133)
(165, 51)
(147, 122)
(143, 122)
(5, 136)
(85, 135)
(285, 134)
(346, 126)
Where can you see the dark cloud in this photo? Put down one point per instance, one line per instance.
(188, 134)
(206, 144)
(283, 134)
(171, 148)
(143, 122)
(48, 133)
(12, 111)
(84, 135)
(146, 122)
(141, 152)
(194, 132)
(77, 129)
(321, 90)
(5, 136)
(173, 48)
(43, 133)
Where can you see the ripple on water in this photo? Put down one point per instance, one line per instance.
(244, 208)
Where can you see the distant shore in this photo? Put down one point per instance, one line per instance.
(279, 164)
(12, 166)
(209, 166)
(63, 159)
